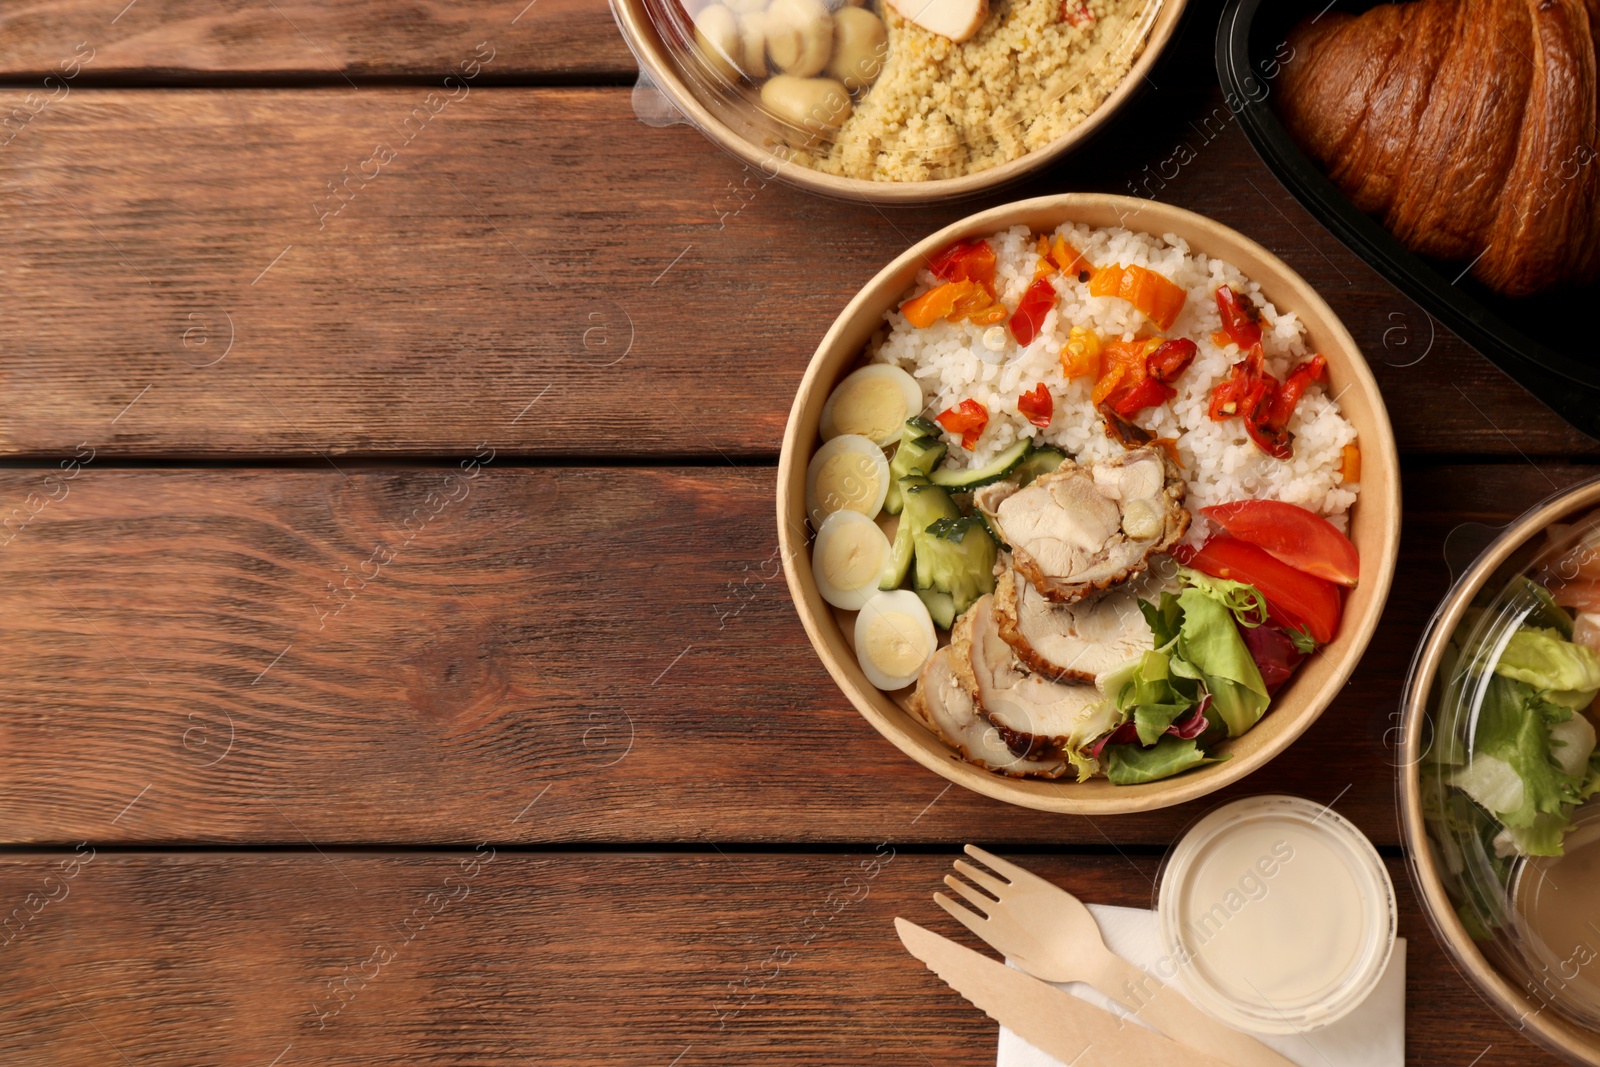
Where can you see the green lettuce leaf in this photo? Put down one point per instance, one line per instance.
(1210, 642)
(1545, 612)
(1164, 619)
(1513, 772)
(1152, 696)
(1133, 765)
(1591, 784)
(1543, 838)
(1551, 664)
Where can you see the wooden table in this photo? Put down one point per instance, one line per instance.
(398, 670)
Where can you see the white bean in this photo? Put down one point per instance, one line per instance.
(816, 105)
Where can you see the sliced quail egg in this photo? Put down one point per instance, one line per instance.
(849, 557)
(874, 401)
(894, 639)
(848, 473)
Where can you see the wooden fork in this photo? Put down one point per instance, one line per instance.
(1051, 935)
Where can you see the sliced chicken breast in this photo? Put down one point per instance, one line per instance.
(1033, 714)
(947, 709)
(1081, 530)
(1071, 642)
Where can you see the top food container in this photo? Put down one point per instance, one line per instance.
(694, 54)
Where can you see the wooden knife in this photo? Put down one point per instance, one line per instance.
(1072, 1030)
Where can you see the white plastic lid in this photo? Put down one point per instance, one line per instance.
(1278, 914)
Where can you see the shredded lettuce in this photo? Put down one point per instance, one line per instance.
(1135, 765)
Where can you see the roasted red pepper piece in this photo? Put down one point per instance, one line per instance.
(966, 261)
(1289, 394)
(1275, 441)
(1241, 319)
(1265, 404)
(1171, 359)
(1028, 319)
(1156, 295)
(968, 419)
(1147, 394)
(1038, 406)
(955, 301)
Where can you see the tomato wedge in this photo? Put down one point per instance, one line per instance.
(1297, 600)
(1303, 539)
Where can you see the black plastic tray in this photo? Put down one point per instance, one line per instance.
(1541, 342)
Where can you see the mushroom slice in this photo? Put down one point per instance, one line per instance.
(1034, 715)
(944, 707)
(1083, 529)
(1072, 642)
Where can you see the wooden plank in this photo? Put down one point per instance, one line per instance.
(323, 39)
(650, 299)
(408, 655)
(499, 958)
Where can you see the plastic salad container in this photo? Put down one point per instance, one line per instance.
(1499, 766)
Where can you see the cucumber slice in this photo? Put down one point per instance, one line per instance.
(942, 606)
(956, 556)
(1040, 461)
(973, 477)
(919, 453)
(924, 503)
(899, 564)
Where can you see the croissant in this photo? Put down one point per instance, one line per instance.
(1466, 126)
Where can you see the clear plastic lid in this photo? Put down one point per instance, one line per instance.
(855, 89)
(1277, 913)
(1504, 763)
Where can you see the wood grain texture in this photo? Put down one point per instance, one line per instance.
(650, 299)
(498, 958)
(293, 655)
(193, 40)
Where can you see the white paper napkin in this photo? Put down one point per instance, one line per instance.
(1374, 1035)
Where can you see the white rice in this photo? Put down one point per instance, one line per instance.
(1220, 462)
